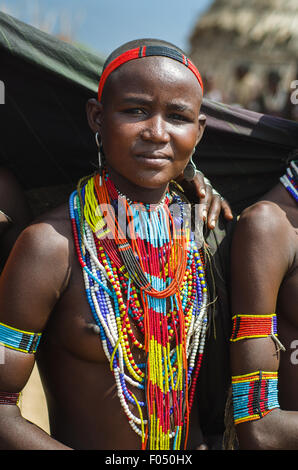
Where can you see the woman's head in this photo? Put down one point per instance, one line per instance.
(148, 118)
(141, 48)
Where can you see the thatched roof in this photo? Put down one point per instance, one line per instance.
(254, 23)
(263, 32)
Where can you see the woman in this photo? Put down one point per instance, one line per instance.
(122, 288)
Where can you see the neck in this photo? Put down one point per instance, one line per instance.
(134, 192)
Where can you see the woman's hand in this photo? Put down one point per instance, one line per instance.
(200, 190)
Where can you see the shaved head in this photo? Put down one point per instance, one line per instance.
(141, 48)
(138, 43)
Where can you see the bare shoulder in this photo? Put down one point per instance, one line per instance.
(264, 231)
(264, 214)
(47, 236)
(52, 228)
(43, 250)
(38, 268)
(266, 219)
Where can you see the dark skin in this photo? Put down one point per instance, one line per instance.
(265, 280)
(15, 213)
(156, 132)
(211, 204)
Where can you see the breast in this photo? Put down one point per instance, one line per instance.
(287, 303)
(71, 326)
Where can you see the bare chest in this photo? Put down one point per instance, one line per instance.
(76, 326)
(287, 304)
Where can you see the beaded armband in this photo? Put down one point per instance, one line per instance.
(8, 398)
(254, 395)
(255, 326)
(24, 341)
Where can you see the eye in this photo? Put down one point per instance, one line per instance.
(135, 111)
(180, 117)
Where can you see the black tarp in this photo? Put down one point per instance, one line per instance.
(45, 138)
(46, 141)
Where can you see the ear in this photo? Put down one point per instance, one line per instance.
(94, 115)
(202, 126)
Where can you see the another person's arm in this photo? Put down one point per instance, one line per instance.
(262, 253)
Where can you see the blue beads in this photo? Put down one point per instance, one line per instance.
(19, 340)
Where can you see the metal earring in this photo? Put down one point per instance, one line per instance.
(97, 140)
(190, 169)
(98, 143)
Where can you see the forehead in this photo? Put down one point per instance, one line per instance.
(154, 75)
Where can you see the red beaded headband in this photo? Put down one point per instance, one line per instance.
(146, 51)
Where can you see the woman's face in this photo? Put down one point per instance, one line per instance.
(149, 122)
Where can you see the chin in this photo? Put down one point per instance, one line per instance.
(155, 181)
(152, 178)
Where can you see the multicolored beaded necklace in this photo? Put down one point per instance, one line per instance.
(290, 179)
(146, 294)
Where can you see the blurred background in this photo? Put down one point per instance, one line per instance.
(247, 51)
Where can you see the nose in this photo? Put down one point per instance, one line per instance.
(156, 130)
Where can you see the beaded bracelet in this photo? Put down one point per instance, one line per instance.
(19, 340)
(8, 398)
(254, 395)
(255, 326)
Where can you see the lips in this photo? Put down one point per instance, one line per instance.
(153, 161)
(153, 156)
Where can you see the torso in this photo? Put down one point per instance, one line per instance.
(84, 409)
(287, 309)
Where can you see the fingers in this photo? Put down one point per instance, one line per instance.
(228, 214)
(210, 200)
(215, 203)
(211, 207)
(199, 182)
(211, 203)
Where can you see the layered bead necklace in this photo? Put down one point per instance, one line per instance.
(147, 295)
(290, 179)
